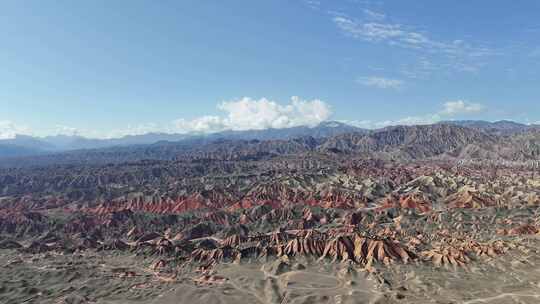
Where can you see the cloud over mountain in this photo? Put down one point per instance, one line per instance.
(450, 110)
(9, 129)
(257, 114)
(252, 114)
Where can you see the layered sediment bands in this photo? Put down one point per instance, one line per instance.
(254, 194)
(395, 205)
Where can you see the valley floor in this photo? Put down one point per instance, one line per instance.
(109, 277)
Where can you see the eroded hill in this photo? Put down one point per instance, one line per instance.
(402, 215)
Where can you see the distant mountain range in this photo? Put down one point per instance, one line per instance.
(502, 127)
(59, 143)
(23, 145)
(463, 140)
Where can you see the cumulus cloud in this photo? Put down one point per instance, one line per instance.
(252, 114)
(242, 114)
(461, 107)
(380, 82)
(257, 114)
(9, 129)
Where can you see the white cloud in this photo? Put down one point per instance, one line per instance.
(256, 114)
(406, 121)
(9, 129)
(371, 31)
(409, 121)
(242, 114)
(251, 114)
(449, 109)
(204, 124)
(403, 36)
(138, 129)
(374, 15)
(461, 107)
(442, 55)
(313, 4)
(66, 130)
(425, 68)
(413, 120)
(365, 124)
(380, 82)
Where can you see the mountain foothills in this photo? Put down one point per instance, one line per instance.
(503, 127)
(57, 143)
(442, 213)
(464, 140)
(24, 145)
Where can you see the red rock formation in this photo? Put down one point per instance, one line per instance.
(469, 199)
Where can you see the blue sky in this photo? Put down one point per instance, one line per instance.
(110, 68)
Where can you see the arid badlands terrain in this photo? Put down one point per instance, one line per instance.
(422, 214)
